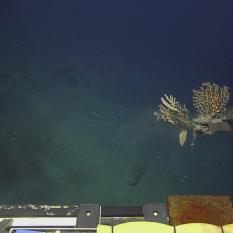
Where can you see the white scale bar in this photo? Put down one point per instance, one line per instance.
(43, 221)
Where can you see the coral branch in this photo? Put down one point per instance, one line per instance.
(210, 100)
(170, 110)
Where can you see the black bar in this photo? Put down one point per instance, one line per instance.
(122, 211)
(10, 211)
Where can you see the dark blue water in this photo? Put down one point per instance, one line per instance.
(79, 81)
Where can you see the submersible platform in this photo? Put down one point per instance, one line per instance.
(180, 214)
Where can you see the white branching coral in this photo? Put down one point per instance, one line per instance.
(170, 110)
(210, 100)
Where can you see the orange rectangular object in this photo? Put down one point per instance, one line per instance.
(216, 210)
